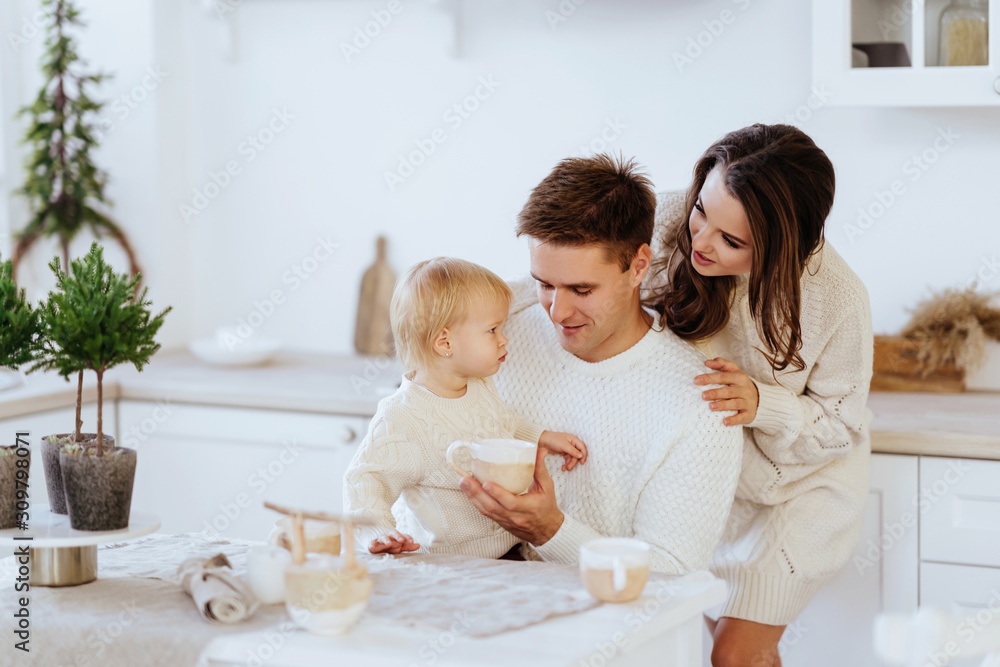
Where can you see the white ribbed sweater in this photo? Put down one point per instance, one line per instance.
(403, 457)
(805, 460)
(661, 467)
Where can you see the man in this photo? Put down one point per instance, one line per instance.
(586, 358)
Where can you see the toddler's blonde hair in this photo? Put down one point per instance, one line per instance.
(435, 294)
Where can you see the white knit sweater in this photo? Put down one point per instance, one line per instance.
(804, 481)
(662, 467)
(403, 456)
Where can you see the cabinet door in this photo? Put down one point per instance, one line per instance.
(880, 577)
(210, 469)
(969, 593)
(41, 424)
(961, 518)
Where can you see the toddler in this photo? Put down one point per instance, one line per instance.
(447, 319)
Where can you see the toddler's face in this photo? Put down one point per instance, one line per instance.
(478, 344)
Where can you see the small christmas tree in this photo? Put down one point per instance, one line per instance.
(20, 323)
(64, 188)
(96, 320)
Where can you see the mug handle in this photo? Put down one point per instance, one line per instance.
(450, 456)
(619, 576)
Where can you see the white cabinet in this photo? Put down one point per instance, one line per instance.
(967, 592)
(41, 424)
(882, 576)
(930, 537)
(203, 468)
(961, 523)
(837, 24)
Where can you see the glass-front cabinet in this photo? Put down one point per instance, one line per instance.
(907, 52)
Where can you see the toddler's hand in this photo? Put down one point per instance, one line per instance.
(393, 543)
(567, 444)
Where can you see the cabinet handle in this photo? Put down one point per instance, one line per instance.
(996, 85)
(348, 434)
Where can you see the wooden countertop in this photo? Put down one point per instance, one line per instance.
(963, 425)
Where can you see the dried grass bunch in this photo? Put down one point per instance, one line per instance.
(952, 327)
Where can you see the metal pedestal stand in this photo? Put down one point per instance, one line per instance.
(61, 556)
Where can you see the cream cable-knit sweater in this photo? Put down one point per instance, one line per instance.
(804, 481)
(403, 456)
(661, 467)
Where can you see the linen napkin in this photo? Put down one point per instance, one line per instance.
(220, 595)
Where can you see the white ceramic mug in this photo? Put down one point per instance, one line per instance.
(614, 569)
(506, 462)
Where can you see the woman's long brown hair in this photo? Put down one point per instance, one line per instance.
(785, 184)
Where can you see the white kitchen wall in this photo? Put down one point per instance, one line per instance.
(560, 78)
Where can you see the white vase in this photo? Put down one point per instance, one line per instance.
(987, 377)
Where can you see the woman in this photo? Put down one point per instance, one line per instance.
(745, 275)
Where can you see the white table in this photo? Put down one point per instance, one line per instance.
(135, 614)
(663, 627)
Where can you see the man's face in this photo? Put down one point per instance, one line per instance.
(590, 301)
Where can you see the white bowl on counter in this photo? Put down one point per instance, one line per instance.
(226, 348)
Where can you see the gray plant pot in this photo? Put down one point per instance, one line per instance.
(51, 444)
(99, 490)
(9, 486)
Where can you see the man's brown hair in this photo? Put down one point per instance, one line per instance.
(593, 200)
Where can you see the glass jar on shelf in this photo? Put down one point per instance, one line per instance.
(964, 34)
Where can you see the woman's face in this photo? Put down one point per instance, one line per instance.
(720, 233)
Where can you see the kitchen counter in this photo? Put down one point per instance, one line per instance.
(304, 382)
(961, 425)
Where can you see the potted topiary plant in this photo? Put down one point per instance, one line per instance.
(52, 356)
(20, 327)
(97, 320)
